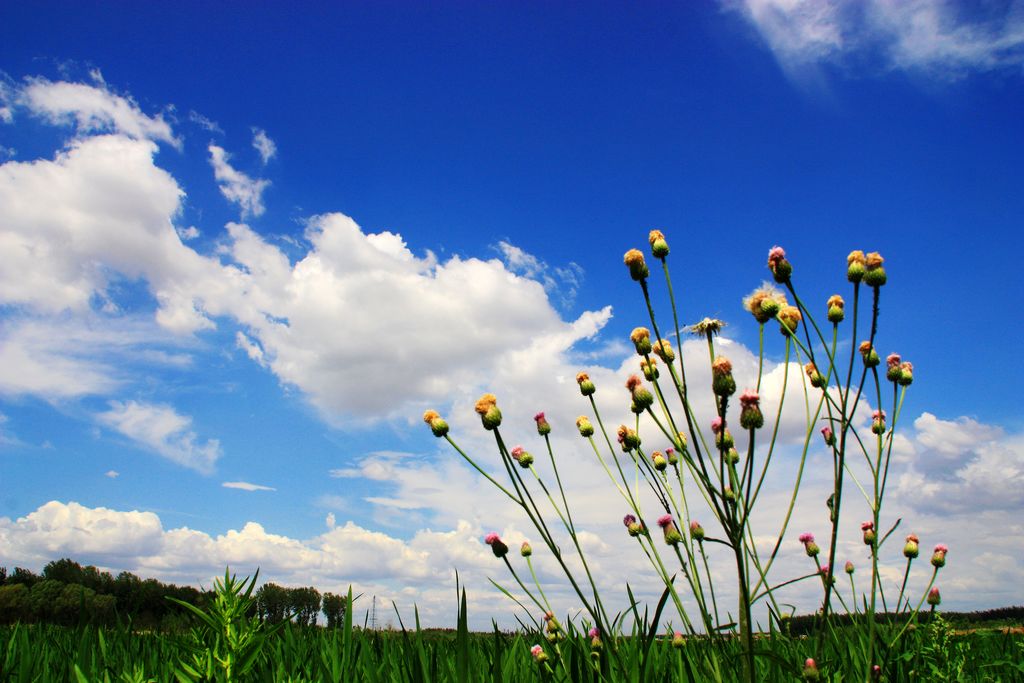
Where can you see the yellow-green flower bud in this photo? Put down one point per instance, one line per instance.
(855, 266)
(663, 350)
(637, 267)
(587, 387)
(437, 424)
(875, 275)
(722, 382)
(906, 377)
(817, 379)
(641, 338)
(789, 319)
(583, 424)
(650, 369)
(660, 463)
(870, 356)
(659, 247)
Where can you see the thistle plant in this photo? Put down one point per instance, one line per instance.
(718, 470)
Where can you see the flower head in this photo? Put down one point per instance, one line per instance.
(707, 327)
(586, 385)
(543, 427)
(835, 307)
(668, 525)
(628, 520)
(934, 598)
(789, 317)
(906, 377)
(663, 350)
(875, 273)
(660, 463)
(939, 556)
(538, 654)
(828, 435)
(641, 338)
(437, 423)
(526, 549)
(628, 438)
(484, 403)
(520, 455)
(810, 671)
(659, 247)
(764, 302)
(487, 407)
(849, 567)
(696, 530)
(868, 353)
(722, 382)
(777, 263)
(583, 424)
(634, 260)
(814, 375)
(855, 266)
(648, 366)
(497, 546)
(810, 547)
(911, 549)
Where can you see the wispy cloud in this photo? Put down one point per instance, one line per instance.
(161, 429)
(943, 38)
(236, 186)
(264, 145)
(246, 486)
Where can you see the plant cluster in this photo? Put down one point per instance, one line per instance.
(719, 469)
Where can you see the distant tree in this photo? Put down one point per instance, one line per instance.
(43, 599)
(334, 609)
(25, 576)
(304, 604)
(3, 575)
(272, 603)
(64, 570)
(14, 603)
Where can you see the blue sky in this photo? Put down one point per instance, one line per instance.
(248, 248)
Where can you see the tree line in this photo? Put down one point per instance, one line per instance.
(67, 593)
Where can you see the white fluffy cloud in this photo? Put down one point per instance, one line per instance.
(93, 109)
(940, 37)
(236, 186)
(963, 465)
(161, 429)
